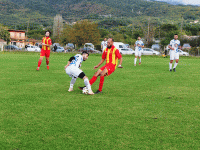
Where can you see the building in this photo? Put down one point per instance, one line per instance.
(18, 38)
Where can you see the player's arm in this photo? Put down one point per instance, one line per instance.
(102, 60)
(70, 60)
(170, 47)
(120, 63)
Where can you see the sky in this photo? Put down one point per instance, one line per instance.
(186, 2)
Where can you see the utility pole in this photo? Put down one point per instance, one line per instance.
(148, 31)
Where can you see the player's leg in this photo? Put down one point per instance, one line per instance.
(40, 61)
(139, 55)
(86, 82)
(176, 61)
(135, 60)
(171, 60)
(72, 84)
(47, 54)
(94, 78)
(102, 75)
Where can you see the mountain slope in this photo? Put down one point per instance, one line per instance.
(14, 12)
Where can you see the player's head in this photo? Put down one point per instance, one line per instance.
(85, 55)
(175, 36)
(110, 42)
(47, 33)
(105, 39)
(139, 38)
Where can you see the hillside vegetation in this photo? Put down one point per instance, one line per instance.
(13, 12)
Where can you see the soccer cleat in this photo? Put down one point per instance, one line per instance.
(134, 64)
(37, 68)
(170, 70)
(81, 88)
(70, 89)
(174, 69)
(47, 67)
(90, 92)
(97, 92)
(139, 63)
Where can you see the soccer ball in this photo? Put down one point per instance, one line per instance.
(85, 90)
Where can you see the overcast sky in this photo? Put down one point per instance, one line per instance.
(191, 2)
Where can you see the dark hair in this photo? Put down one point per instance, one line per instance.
(175, 34)
(112, 39)
(48, 31)
(85, 52)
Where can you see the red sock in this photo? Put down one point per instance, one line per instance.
(47, 62)
(93, 80)
(39, 62)
(101, 83)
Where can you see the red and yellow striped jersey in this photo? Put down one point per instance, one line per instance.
(111, 55)
(46, 40)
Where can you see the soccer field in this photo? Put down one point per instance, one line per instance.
(142, 107)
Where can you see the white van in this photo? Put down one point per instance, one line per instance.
(123, 49)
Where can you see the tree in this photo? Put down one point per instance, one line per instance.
(4, 34)
(84, 32)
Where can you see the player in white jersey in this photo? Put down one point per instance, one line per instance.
(174, 54)
(72, 69)
(104, 45)
(138, 50)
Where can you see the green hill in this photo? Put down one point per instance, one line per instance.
(14, 12)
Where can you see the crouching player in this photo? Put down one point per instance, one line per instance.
(72, 69)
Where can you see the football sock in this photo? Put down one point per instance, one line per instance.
(135, 60)
(101, 83)
(93, 80)
(39, 62)
(170, 65)
(72, 82)
(47, 62)
(140, 60)
(87, 83)
(175, 64)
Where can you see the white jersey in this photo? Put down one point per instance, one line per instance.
(77, 61)
(137, 48)
(104, 45)
(174, 44)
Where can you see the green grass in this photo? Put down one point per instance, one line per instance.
(142, 107)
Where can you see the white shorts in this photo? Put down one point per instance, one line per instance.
(174, 55)
(73, 71)
(138, 53)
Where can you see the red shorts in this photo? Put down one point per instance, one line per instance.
(45, 53)
(109, 67)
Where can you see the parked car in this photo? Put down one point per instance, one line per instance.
(127, 51)
(32, 48)
(186, 46)
(156, 47)
(70, 45)
(12, 47)
(127, 45)
(59, 49)
(182, 53)
(89, 50)
(57, 44)
(148, 51)
(89, 47)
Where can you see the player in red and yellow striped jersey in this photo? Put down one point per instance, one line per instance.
(111, 55)
(45, 51)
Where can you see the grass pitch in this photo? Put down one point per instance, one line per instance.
(142, 107)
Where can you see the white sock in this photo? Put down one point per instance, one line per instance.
(72, 82)
(87, 83)
(170, 66)
(135, 61)
(175, 64)
(140, 60)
